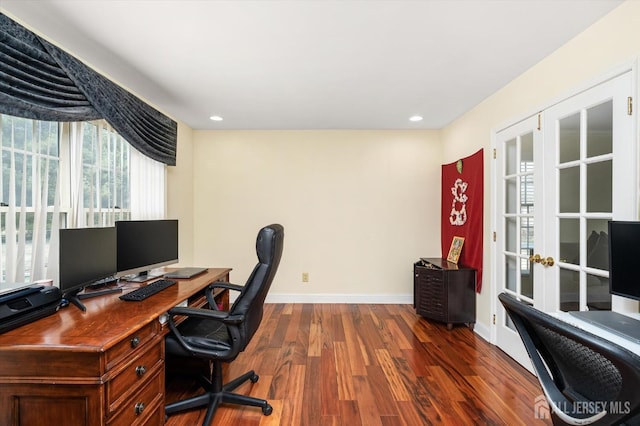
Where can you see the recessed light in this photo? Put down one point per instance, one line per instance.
(415, 118)
(215, 118)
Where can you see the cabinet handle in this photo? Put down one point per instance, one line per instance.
(140, 370)
(139, 408)
(135, 342)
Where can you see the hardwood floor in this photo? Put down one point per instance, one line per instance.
(338, 364)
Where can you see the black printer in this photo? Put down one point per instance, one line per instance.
(26, 304)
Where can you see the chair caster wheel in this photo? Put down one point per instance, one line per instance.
(254, 378)
(267, 410)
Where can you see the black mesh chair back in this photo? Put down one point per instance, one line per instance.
(586, 379)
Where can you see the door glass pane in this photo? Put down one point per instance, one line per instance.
(526, 167)
(511, 198)
(569, 290)
(598, 296)
(511, 150)
(510, 273)
(526, 152)
(526, 194)
(600, 129)
(511, 235)
(599, 184)
(569, 197)
(570, 241)
(570, 138)
(526, 277)
(597, 244)
(526, 236)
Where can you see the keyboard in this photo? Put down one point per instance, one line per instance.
(147, 291)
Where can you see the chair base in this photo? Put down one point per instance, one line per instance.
(217, 394)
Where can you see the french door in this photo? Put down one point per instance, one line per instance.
(560, 177)
(519, 174)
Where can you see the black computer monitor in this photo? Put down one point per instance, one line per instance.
(624, 238)
(87, 255)
(144, 245)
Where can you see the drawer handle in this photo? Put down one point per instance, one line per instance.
(140, 370)
(135, 342)
(139, 408)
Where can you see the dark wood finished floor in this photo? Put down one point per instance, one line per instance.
(335, 364)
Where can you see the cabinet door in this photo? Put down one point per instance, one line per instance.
(430, 293)
(36, 404)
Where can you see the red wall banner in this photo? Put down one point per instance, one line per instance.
(462, 206)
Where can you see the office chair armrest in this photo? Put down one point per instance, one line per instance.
(219, 284)
(234, 319)
(207, 314)
(200, 313)
(223, 284)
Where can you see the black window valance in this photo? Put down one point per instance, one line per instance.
(42, 82)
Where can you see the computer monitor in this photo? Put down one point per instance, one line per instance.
(624, 238)
(87, 255)
(144, 245)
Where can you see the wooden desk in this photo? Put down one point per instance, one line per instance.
(103, 366)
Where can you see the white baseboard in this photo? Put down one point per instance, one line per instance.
(395, 299)
(483, 331)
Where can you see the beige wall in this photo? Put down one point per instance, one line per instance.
(180, 193)
(605, 46)
(358, 207)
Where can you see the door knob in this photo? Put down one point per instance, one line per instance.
(548, 261)
(545, 261)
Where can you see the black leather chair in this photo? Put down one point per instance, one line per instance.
(220, 336)
(586, 379)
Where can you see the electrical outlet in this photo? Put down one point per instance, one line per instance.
(305, 277)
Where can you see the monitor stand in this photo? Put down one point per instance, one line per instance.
(141, 277)
(76, 298)
(73, 298)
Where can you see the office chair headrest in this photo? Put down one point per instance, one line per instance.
(269, 239)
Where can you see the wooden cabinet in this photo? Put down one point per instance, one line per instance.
(444, 291)
(105, 366)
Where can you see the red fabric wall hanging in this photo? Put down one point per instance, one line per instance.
(462, 206)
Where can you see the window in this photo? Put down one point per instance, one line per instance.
(105, 175)
(30, 162)
(78, 173)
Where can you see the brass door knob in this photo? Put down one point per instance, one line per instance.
(548, 261)
(545, 261)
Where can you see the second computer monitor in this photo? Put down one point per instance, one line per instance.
(144, 245)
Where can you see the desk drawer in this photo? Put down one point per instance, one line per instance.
(134, 374)
(135, 340)
(143, 405)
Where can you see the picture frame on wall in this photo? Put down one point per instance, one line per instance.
(456, 249)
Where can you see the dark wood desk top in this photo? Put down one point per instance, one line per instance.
(106, 320)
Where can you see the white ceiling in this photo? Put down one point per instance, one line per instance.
(305, 64)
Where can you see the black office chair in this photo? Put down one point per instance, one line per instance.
(220, 336)
(586, 379)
